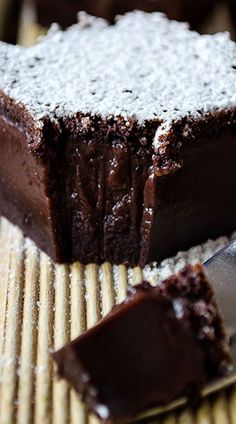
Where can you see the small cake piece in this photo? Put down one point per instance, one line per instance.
(118, 143)
(65, 11)
(162, 342)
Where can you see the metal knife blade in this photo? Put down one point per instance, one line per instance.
(221, 272)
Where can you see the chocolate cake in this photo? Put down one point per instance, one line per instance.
(65, 11)
(118, 143)
(162, 342)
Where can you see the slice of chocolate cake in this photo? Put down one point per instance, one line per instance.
(162, 342)
(65, 11)
(118, 143)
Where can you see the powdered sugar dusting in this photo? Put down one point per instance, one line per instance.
(145, 67)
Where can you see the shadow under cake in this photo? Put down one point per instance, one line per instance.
(118, 143)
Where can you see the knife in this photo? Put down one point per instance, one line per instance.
(221, 272)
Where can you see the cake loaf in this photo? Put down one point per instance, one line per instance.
(118, 143)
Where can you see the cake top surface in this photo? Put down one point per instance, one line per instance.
(145, 67)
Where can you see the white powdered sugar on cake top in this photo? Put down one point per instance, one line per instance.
(144, 67)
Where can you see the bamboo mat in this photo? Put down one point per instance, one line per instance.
(42, 306)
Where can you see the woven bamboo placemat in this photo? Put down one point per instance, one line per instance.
(42, 306)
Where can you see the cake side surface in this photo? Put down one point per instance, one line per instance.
(194, 188)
